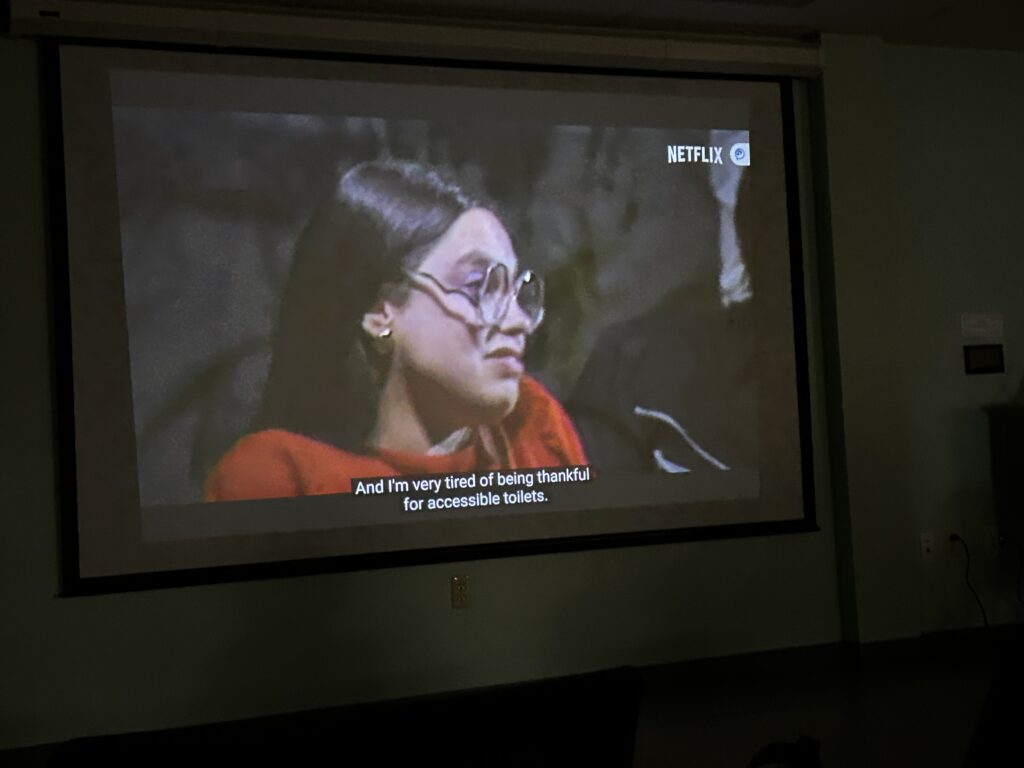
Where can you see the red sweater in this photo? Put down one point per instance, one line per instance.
(275, 463)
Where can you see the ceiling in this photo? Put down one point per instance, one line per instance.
(995, 24)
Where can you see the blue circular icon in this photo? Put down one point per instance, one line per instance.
(738, 153)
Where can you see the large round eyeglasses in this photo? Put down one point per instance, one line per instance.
(491, 293)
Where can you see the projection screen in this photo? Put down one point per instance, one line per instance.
(365, 311)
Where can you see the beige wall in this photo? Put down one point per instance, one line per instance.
(925, 185)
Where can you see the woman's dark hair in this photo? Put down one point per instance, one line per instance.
(382, 221)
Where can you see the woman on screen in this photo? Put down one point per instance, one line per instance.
(399, 348)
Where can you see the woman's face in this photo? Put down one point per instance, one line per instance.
(457, 370)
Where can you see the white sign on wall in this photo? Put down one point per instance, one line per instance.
(987, 325)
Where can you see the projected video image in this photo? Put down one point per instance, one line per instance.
(313, 300)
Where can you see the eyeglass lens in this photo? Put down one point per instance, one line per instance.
(496, 295)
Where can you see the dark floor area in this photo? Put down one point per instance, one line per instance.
(945, 700)
(907, 703)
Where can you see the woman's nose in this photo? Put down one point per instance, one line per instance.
(515, 321)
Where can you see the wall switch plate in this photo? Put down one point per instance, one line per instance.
(460, 592)
(928, 550)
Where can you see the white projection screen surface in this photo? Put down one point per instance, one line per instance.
(352, 313)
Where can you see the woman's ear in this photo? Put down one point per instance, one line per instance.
(377, 322)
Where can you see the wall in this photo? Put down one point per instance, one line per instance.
(114, 663)
(924, 181)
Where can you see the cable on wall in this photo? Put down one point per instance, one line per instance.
(953, 537)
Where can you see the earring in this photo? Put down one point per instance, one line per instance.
(382, 342)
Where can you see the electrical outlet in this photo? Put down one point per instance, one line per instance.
(460, 592)
(928, 550)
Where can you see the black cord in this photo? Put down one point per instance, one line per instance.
(967, 577)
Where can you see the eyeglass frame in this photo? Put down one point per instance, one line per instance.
(511, 295)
